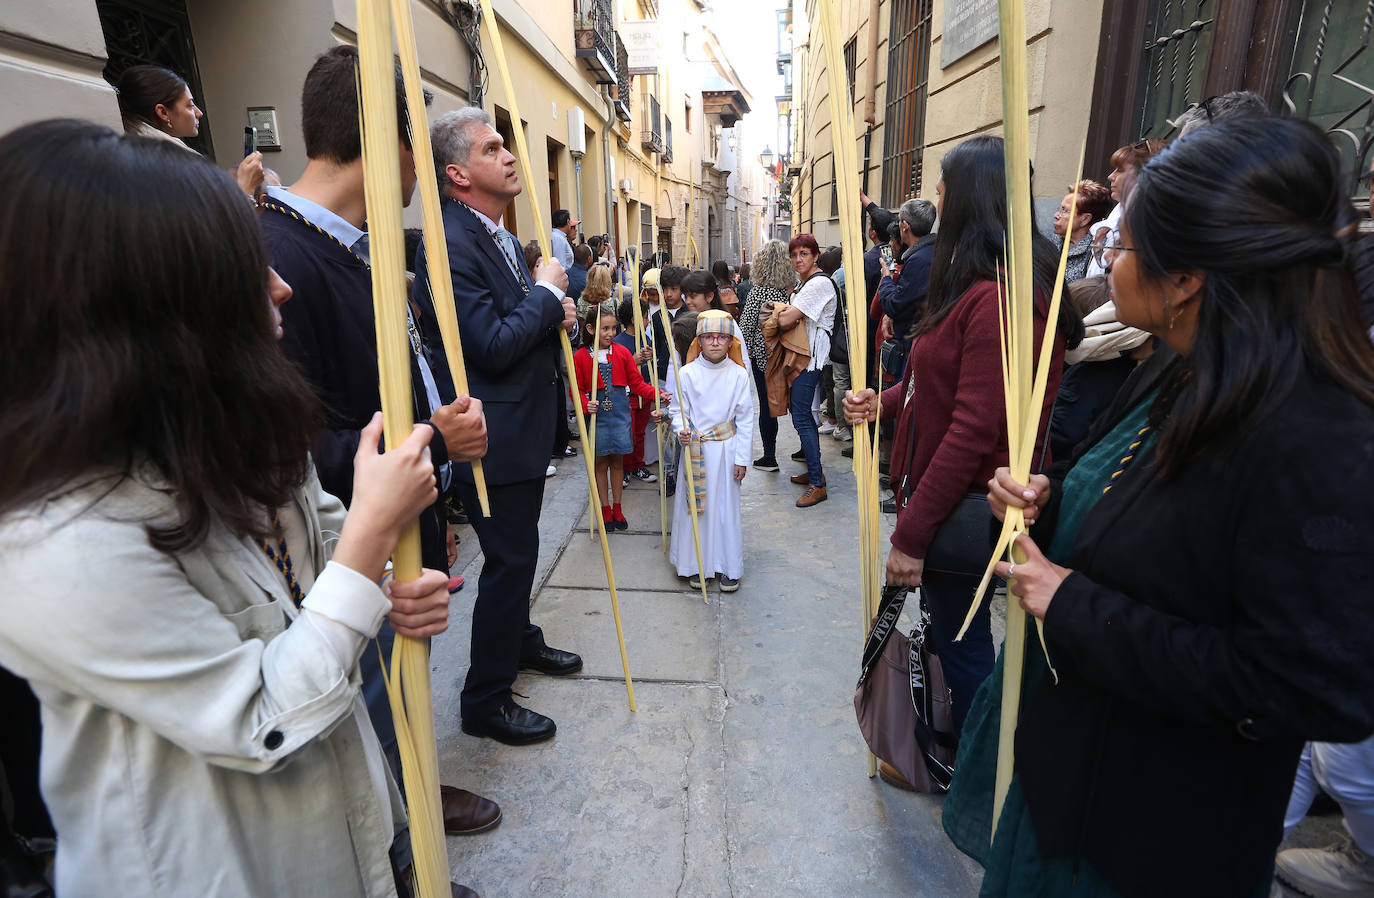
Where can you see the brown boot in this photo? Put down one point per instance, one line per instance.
(812, 495)
(804, 478)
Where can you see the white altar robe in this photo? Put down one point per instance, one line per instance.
(715, 393)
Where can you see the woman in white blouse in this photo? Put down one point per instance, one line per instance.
(813, 304)
(185, 601)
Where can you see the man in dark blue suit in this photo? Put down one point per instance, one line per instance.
(510, 320)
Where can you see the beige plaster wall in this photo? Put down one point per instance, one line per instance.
(51, 54)
(966, 98)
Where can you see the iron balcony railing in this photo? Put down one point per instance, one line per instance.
(595, 37)
(652, 135)
(667, 139)
(622, 80)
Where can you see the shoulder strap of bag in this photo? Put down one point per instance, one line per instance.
(923, 703)
(889, 609)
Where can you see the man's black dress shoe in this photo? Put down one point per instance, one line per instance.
(554, 662)
(511, 724)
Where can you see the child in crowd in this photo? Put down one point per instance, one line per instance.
(700, 292)
(713, 416)
(669, 281)
(597, 291)
(605, 392)
(640, 408)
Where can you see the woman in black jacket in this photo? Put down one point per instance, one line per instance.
(1213, 610)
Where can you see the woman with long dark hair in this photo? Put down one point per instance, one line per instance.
(1202, 570)
(157, 103)
(951, 428)
(198, 668)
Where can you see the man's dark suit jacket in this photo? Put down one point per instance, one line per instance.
(330, 333)
(902, 300)
(510, 343)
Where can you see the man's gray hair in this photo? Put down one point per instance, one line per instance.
(919, 215)
(1236, 104)
(451, 137)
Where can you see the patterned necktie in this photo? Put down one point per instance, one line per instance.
(506, 241)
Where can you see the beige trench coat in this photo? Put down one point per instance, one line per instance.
(195, 742)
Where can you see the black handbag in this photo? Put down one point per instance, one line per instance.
(892, 356)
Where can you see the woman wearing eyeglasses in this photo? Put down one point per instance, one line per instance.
(1126, 163)
(1087, 202)
(1201, 570)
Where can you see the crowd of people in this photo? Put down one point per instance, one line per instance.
(1196, 537)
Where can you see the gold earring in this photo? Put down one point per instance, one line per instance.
(1174, 317)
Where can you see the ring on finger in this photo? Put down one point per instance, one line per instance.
(1011, 570)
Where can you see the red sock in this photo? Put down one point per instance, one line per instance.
(616, 513)
(606, 514)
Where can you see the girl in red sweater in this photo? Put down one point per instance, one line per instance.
(606, 393)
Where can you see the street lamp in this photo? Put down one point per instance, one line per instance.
(766, 157)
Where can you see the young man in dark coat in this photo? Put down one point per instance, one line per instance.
(314, 231)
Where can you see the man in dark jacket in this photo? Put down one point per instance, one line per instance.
(878, 221)
(577, 275)
(903, 298)
(314, 234)
(510, 320)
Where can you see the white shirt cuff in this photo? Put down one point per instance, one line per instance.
(557, 294)
(347, 597)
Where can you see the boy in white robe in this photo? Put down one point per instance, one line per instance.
(712, 411)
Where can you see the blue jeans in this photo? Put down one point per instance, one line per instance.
(803, 391)
(968, 662)
(768, 425)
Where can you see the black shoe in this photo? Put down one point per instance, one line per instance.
(889, 506)
(511, 724)
(847, 451)
(885, 482)
(644, 475)
(766, 463)
(799, 455)
(554, 662)
(455, 512)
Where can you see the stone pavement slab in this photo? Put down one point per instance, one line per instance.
(743, 772)
(669, 636)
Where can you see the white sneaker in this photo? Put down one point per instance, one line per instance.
(827, 427)
(1342, 871)
(844, 435)
(550, 471)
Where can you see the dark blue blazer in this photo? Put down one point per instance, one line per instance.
(510, 344)
(330, 333)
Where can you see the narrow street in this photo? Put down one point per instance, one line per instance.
(743, 772)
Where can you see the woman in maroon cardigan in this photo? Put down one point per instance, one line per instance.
(951, 430)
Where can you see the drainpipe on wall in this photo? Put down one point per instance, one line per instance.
(606, 160)
(871, 88)
(577, 175)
